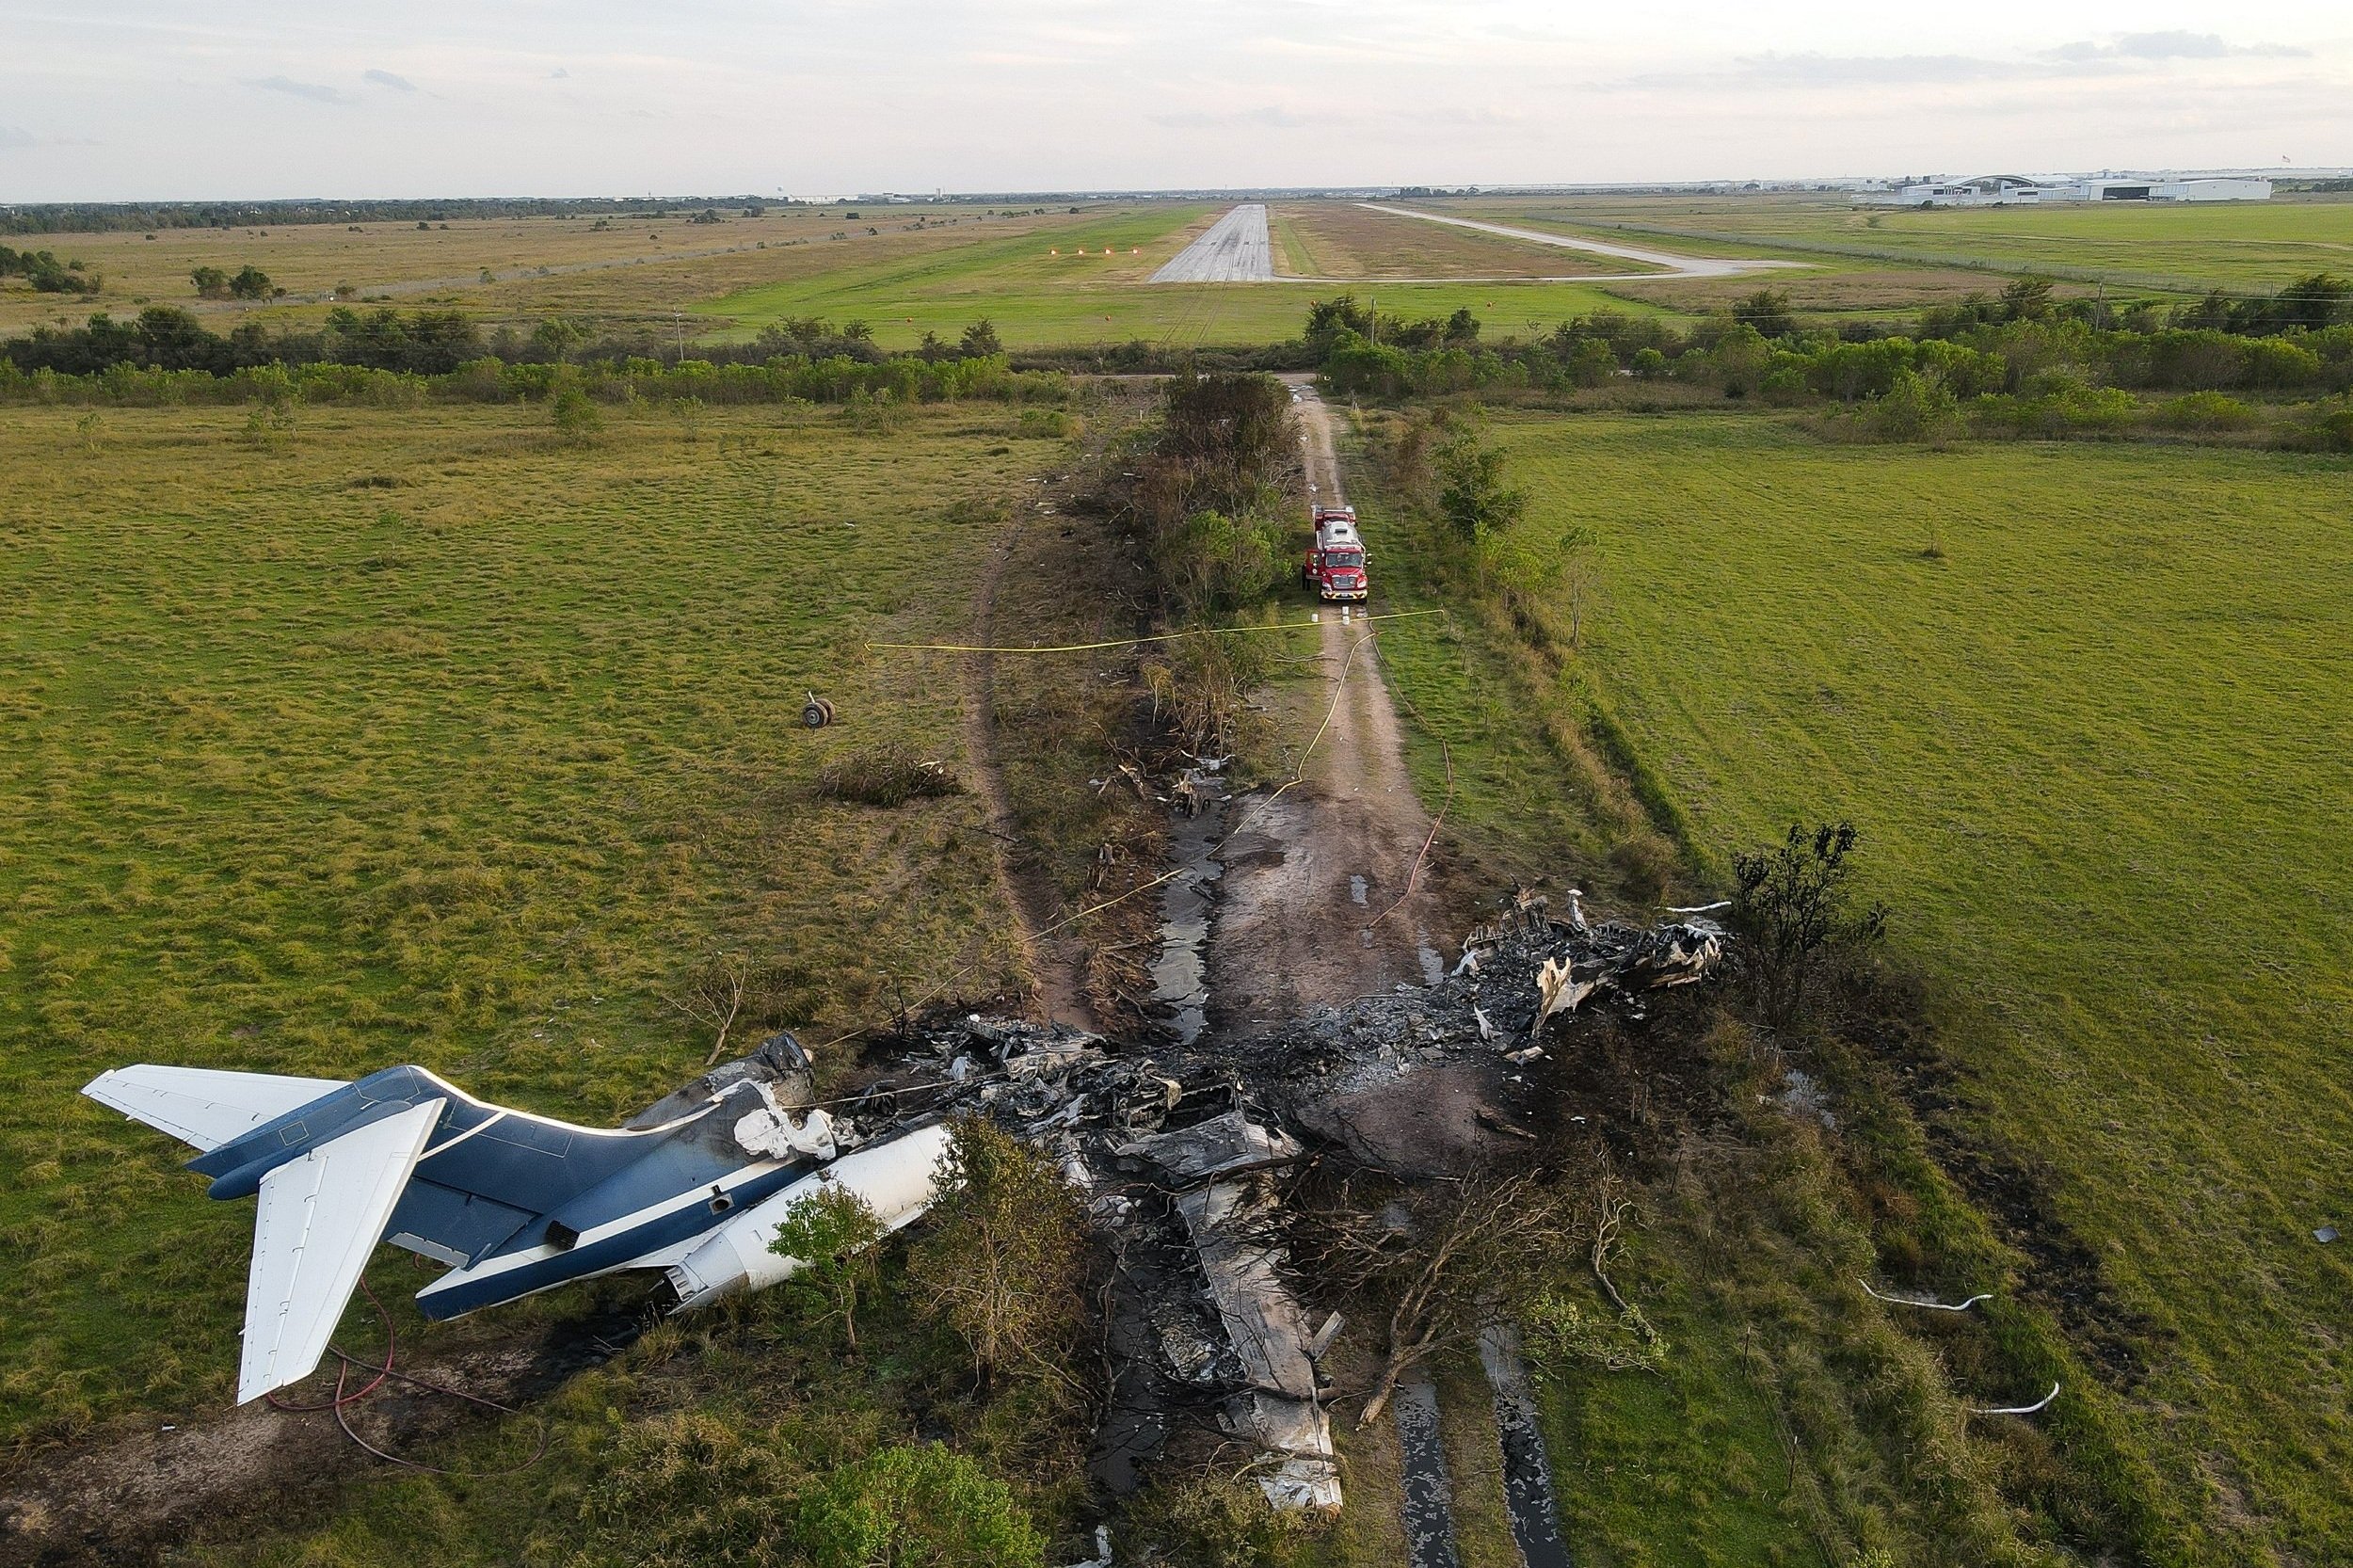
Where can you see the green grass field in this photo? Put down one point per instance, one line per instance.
(424, 739)
(1038, 298)
(2098, 751)
(2236, 246)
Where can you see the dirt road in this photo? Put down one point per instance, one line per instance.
(1312, 869)
(1055, 957)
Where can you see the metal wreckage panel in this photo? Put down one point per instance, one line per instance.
(1176, 1158)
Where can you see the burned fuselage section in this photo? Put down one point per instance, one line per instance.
(1183, 1158)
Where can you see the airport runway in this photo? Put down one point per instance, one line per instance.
(1678, 266)
(1236, 249)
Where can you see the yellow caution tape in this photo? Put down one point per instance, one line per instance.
(1130, 642)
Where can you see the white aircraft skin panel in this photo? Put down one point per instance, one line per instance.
(202, 1107)
(318, 1219)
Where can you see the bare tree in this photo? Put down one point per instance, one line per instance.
(1434, 1263)
(715, 995)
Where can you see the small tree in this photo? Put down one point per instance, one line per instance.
(1004, 1268)
(1915, 408)
(979, 340)
(1793, 915)
(1739, 361)
(1592, 364)
(1472, 495)
(1328, 318)
(554, 338)
(1538, 568)
(210, 282)
(1768, 310)
(833, 1232)
(251, 282)
(2027, 299)
(575, 417)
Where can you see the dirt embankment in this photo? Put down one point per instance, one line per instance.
(1301, 918)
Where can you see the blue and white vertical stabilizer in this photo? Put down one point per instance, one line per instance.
(322, 1211)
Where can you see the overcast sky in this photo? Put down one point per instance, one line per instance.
(129, 99)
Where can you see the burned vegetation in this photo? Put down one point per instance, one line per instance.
(1288, 1227)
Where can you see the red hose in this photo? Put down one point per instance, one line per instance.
(344, 1397)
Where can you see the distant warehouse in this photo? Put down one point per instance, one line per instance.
(2008, 190)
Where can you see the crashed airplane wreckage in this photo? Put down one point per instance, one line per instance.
(695, 1185)
(1175, 1159)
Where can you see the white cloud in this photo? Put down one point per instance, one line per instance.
(317, 93)
(744, 95)
(2176, 45)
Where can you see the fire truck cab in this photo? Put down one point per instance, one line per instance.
(1335, 566)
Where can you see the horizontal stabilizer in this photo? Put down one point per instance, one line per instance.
(320, 1217)
(200, 1106)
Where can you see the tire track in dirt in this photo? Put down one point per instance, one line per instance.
(1056, 963)
(1313, 867)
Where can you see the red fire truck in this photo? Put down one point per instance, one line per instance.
(1335, 566)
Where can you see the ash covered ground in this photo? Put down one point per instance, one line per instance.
(1178, 1151)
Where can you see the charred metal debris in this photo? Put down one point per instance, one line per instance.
(1178, 1157)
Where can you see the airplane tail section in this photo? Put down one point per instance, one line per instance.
(200, 1106)
(320, 1216)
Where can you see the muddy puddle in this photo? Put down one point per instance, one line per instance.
(1528, 1493)
(1180, 975)
(1429, 1518)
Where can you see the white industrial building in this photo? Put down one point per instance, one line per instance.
(2015, 190)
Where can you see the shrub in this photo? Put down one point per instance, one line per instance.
(2277, 364)
(1913, 409)
(693, 1488)
(1792, 914)
(1212, 562)
(2331, 430)
(1472, 495)
(888, 775)
(2205, 411)
(575, 418)
(1005, 1265)
(2059, 406)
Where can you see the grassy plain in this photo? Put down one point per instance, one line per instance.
(2236, 246)
(2098, 750)
(1044, 278)
(1345, 239)
(1787, 1420)
(537, 264)
(1037, 298)
(417, 736)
